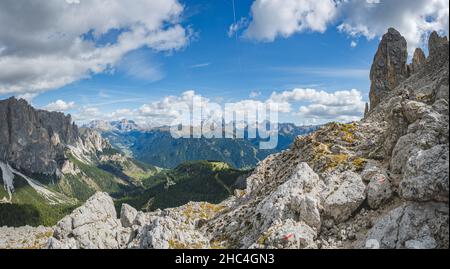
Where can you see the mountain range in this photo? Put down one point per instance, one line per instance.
(158, 147)
(49, 166)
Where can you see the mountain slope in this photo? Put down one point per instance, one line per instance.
(205, 181)
(48, 165)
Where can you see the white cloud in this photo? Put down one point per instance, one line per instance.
(165, 111)
(138, 65)
(27, 97)
(274, 18)
(201, 65)
(314, 107)
(60, 106)
(412, 18)
(86, 114)
(338, 98)
(322, 106)
(236, 27)
(353, 44)
(271, 19)
(58, 42)
(122, 113)
(324, 113)
(255, 94)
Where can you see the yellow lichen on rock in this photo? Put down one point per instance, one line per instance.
(359, 163)
(203, 210)
(336, 160)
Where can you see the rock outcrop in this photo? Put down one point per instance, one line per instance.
(92, 226)
(36, 141)
(413, 226)
(389, 66)
(25, 237)
(414, 117)
(95, 226)
(346, 192)
(436, 44)
(33, 141)
(418, 60)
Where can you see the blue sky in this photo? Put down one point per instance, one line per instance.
(220, 66)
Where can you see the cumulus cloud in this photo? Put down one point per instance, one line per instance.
(322, 106)
(60, 106)
(27, 97)
(236, 27)
(55, 42)
(168, 105)
(309, 106)
(172, 108)
(271, 19)
(324, 113)
(86, 114)
(274, 18)
(254, 94)
(413, 18)
(338, 98)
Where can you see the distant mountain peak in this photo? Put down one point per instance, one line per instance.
(123, 125)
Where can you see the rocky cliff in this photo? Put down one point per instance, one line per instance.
(33, 140)
(382, 182)
(48, 165)
(389, 66)
(36, 141)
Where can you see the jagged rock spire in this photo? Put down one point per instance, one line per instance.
(366, 110)
(435, 44)
(389, 66)
(418, 60)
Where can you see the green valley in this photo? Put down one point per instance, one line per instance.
(202, 181)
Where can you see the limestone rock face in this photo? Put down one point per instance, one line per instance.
(418, 60)
(127, 215)
(92, 226)
(389, 66)
(435, 44)
(413, 225)
(379, 190)
(298, 199)
(426, 176)
(346, 193)
(25, 237)
(291, 235)
(96, 226)
(428, 128)
(36, 141)
(33, 141)
(163, 231)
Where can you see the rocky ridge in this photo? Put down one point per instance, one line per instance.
(382, 182)
(36, 142)
(46, 159)
(33, 140)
